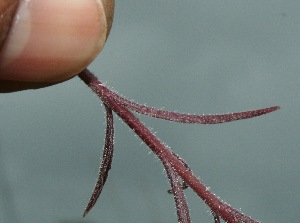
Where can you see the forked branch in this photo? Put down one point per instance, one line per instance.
(173, 164)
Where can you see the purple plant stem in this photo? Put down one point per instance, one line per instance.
(182, 208)
(223, 210)
(183, 185)
(107, 157)
(190, 118)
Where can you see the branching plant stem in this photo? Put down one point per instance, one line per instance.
(105, 166)
(173, 165)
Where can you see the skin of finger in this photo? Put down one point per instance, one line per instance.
(13, 86)
(7, 11)
(96, 27)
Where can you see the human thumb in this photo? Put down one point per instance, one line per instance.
(48, 42)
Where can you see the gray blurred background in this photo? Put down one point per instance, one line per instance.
(190, 56)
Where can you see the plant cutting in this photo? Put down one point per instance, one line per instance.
(20, 72)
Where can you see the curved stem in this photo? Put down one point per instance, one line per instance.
(221, 209)
(107, 157)
(191, 118)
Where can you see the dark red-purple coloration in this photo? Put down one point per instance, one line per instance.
(107, 156)
(173, 164)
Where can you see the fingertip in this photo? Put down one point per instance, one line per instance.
(51, 41)
(7, 12)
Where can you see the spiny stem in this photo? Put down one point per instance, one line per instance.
(221, 209)
(191, 118)
(182, 208)
(184, 184)
(107, 157)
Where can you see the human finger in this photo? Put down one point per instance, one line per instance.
(51, 41)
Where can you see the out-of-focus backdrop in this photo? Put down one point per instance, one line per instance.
(190, 56)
